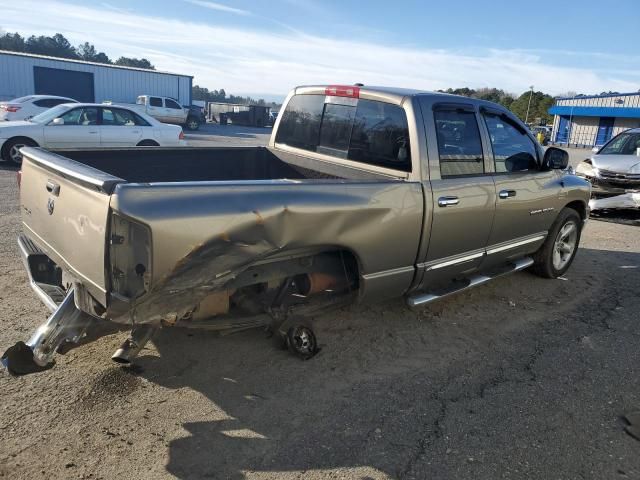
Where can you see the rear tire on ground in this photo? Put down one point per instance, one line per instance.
(559, 249)
(148, 143)
(193, 124)
(11, 149)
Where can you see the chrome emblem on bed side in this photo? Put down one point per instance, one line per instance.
(50, 206)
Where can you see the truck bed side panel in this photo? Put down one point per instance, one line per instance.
(205, 234)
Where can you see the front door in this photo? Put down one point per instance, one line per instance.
(526, 197)
(79, 130)
(462, 192)
(175, 113)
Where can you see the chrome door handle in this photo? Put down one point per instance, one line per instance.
(507, 193)
(448, 201)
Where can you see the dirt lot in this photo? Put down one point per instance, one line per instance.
(522, 378)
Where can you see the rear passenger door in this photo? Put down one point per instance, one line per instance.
(120, 128)
(462, 190)
(527, 198)
(175, 113)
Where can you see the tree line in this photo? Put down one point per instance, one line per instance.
(518, 104)
(59, 46)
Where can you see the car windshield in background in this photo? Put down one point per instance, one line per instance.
(365, 131)
(48, 115)
(623, 144)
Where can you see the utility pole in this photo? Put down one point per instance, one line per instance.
(526, 119)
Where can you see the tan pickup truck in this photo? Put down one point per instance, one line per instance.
(362, 194)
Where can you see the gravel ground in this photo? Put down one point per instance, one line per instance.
(521, 378)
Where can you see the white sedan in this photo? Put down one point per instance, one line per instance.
(30, 106)
(86, 125)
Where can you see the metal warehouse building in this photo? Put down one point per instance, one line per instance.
(26, 74)
(589, 121)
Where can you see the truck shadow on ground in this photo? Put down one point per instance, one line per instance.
(376, 400)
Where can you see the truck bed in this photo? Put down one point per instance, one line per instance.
(193, 164)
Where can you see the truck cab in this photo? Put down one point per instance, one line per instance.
(168, 110)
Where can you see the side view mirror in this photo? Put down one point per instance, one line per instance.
(58, 121)
(595, 149)
(555, 158)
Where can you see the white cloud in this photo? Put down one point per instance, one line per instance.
(242, 60)
(218, 6)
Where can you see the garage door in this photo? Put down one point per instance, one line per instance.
(66, 83)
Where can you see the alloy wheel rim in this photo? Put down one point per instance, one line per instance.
(565, 245)
(14, 153)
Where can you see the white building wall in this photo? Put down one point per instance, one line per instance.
(622, 124)
(117, 84)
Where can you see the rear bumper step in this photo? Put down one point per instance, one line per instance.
(44, 275)
(427, 297)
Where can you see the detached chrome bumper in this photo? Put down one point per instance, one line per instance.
(65, 328)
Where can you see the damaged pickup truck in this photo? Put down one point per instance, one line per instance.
(362, 194)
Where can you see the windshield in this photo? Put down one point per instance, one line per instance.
(623, 144)
(48, 115)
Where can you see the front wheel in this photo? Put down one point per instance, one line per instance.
(559, 249)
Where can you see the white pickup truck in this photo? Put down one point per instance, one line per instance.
(166, 110)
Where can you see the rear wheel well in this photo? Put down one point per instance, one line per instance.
(10, 141)
(147, 143)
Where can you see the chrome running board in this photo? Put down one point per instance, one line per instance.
(473, 281)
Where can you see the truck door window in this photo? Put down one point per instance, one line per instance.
(513, 150)
(155, 102)
(171, 104)
(459, 145)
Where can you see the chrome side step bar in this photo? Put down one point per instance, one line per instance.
(424, 298)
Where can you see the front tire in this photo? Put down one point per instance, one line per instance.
(11, 150)
(559, 249)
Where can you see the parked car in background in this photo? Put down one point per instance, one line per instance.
(614, 169)
(546, 132)
(29, 106)
(85, 125)
(166, 110)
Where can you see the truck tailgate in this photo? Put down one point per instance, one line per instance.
(65, 210)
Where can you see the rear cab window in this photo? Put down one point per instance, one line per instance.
(365, 131)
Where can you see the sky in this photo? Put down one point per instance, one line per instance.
(263, 48)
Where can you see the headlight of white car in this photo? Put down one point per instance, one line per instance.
(635, 168)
